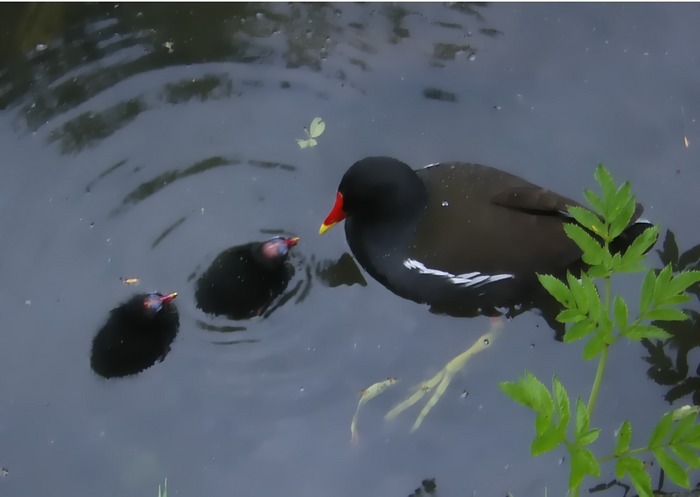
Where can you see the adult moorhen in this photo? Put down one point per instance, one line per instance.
(244, 280)
(137, 334)
(454, 234)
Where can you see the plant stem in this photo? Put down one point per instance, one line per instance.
(597, 381)
(602, 361)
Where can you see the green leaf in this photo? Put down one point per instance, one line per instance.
(588, 220)
(594, 347)
(579, 330)
(622, 211)
(591, 465)
(621, 313)
(693, 438)
(541, 399)
(543, 422)
(589, 437)
(674, 300)
(606, 182)
(582, 420)
(640, 331)
(663, 281)
(579, 297)
(681, 282)
(640, 478)
(592, 250)
(556, 288)
(516, 392)
(561, 402)
(685, 418)
(593, 199)
(317, 127)
(592, 297)
(687, 455)
(624, 435)
(647, 294)
(570, 316)
(683, 412)
(549, 440)
(661, 431)
(635, 252)
(312, 142)
(303, 143)
(671, 467)
(582, 462)
(666, 315)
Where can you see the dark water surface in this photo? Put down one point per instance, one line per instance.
(142, 140)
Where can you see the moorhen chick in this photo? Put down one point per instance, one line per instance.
(453, 233)
(136, 335)
(244, 280)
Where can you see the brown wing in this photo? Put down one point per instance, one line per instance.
(483, 219)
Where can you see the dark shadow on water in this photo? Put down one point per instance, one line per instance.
(148, 188)
(218, 329)
(103, 174)
(91, 127)
(167, 231)
(344, 271)
(669, 359)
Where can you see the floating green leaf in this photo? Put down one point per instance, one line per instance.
(316, 129)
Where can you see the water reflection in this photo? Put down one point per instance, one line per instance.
(669, 359)
(66, 54)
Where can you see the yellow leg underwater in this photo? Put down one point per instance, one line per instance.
(442, 379)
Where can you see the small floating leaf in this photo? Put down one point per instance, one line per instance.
(317, 127)
(130, 281)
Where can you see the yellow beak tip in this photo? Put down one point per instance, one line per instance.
(324, 228)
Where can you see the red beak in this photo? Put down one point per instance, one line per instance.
(337, 214)
(167, 298)
(290, 242)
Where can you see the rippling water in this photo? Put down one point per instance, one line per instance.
(142, 140)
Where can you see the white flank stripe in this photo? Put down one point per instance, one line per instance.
(474, 279)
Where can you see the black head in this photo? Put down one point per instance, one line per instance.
(275, 250)
(150, 304)
(377, 189)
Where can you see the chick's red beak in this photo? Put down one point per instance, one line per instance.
(337, 214)
(167, 298)
(290, 242)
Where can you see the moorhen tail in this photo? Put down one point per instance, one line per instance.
(244, 280)
(137, 334)
(455, 233)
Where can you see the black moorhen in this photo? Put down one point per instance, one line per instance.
(244, 280)
(453, 232)
(137, 334)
